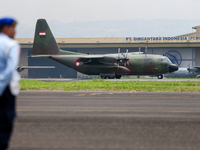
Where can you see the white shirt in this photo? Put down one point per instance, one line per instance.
(9, 61)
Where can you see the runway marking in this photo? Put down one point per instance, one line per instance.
(95, 94)
(81, 95)
(185, 111)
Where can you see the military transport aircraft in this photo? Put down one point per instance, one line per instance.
(195, 69)
(107, 65)
(193, 72)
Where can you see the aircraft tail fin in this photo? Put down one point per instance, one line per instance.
(44, 41)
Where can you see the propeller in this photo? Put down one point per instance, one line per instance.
(189, 68)
(123, 58)
(126, 57)
(118, 59)
(126, 53)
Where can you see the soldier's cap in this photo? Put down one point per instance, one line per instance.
(7, 21)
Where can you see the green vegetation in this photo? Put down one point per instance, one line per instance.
(104, 85)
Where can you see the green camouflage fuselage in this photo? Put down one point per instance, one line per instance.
(138, 64)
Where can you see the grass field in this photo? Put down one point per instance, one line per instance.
(104, 85)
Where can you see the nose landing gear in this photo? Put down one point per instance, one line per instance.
(160, 76)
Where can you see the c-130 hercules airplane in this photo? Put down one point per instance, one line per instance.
(107, 65)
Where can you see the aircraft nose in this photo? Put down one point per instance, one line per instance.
(173, 68)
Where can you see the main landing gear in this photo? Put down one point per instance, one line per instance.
(118, 76)
(111, 77)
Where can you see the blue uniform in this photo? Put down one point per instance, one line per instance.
(9, 57)
(7, 65)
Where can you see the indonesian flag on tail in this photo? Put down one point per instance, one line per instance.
(42, 33)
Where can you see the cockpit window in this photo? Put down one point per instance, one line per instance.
(165, 59)
(168, 60)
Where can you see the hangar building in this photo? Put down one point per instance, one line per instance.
(183, 50)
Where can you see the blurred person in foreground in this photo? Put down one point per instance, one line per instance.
(9, 78)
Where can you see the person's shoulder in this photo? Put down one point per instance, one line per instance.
(7, 41)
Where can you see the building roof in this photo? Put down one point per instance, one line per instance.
(194, 34)
(196, 27)
(186, 40)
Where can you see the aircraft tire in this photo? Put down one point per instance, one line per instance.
(102, 77)
(118, 76)
(105, 77)
(160, 76)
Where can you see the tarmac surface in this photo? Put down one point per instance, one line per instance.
(131, 79)
(106, 121)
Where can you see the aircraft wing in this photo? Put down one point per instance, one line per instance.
(198, 67)
(87, 58)
(102, 59)
(78, 56)
(90, 56)
(195, 69)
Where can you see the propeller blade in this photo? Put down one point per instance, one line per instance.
(126, 53)
(188, 68)
(118, 57)
(125, 59)
(118, 50)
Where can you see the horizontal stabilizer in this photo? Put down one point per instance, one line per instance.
(41, 56)
(21, 68)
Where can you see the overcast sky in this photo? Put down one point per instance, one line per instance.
(79, 11)
(28, 11)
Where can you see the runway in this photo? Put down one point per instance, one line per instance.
(131, 79)
(107, 120)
